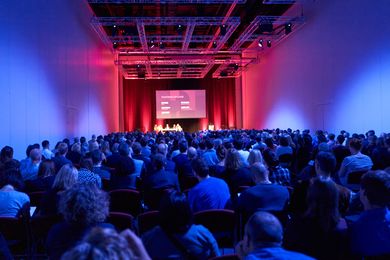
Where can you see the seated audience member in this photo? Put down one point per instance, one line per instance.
(331, 141)
(320, 232)
(277, 174)
(112, 159)
(255, 156)
(124, 177)
(7, 160)
(27, 161)
(177, 237)
(105, 148)
(210, 156)
(264, 195)
(75, 154)
(47, 154)
(355, 162)
(370, 235)
(169, 164)
(263, 240)
(192, 153)
(259, 145)
(86, 175)
(239, 145)
(304, 151)
(324, 165)
(219, 169)
(284, 147)
(183, 164)
(13, 203)
(105, 243)
(158, 180)
(45, 177)
(139, 164)
(210, 192)
(145, 151)
(83, 207)
(97, 159)
(29, 170)
(60, 158)
(309, 170)
(340, 151)
(236, 173)
(65, 179)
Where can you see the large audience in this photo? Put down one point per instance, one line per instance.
(295, 194)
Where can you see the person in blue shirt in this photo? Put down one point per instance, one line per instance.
(370, 234)
(263, 239)
(210, 192)
(210, 155)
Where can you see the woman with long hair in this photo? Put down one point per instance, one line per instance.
(236, 173)
(320, 231)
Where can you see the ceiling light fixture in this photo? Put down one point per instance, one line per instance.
(260, 43)
(287, 28)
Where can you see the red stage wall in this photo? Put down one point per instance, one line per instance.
(139, 103)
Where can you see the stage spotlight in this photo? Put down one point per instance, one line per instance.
(214, 44)
(152, 44)
(269, 44)
(223, 29)
(114, 30)
(179, 29)
(287, 28)
(265, 27)
(260, 43)
(161, 45)
(223, 73)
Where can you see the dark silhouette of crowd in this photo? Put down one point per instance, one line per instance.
(290, 195)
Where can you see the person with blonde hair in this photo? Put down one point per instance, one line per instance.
(255, 156)
(65, 179)
(105, 243)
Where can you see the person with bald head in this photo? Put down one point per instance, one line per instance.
(30, 171)
(264, 195)
(192, 153)
(263, 239)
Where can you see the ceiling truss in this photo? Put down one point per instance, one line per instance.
(165, 47)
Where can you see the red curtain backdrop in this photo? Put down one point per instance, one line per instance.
(139, 103)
